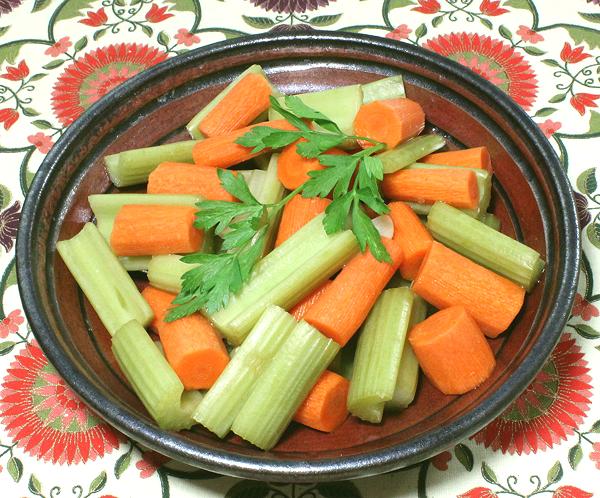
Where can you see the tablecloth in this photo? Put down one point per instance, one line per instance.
(59, 57)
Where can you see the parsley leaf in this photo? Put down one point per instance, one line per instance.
(300, 109)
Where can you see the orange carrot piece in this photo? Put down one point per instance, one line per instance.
(325, 408)
(447, 278)
(475, 157)
(300, 309)
(344, 305)
(452, 351)
(297, 213)
(148, 230)
(184, 178)
(390, 121)
(192, 345)
(223, 152)
(456, 187)
(292, 168)
(413, 237)
(242, 105)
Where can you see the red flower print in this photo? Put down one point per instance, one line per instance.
(548, 410)
(16, 73)
(479, 493)
(8, 117)
(571, 55)
(108, 496)
(583, 308)
(11, 323)
(491, 8)
(580, 101)
(184, 37)
(595, 455)
(529, 35)
(95, 19)
(42, 142)
(427, 6)
(157, 14)
(440, 461)
(400, 33)
(149, 463)
(492, 59)
(550, 127)
(46, 418)
(570, 492)
(60, 47)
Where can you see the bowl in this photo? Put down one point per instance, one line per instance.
(532, 197)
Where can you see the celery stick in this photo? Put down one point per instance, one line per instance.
(284, 384)
(165, 272)
(135, 263)
(485, 246)
(152, 378)
(104, 281)
(286, 275)
(225, 398)
(192, 126)
(133, 166)
(391, 87)
(491, 220)
(407, 153)
(378, 354)
(270, 192)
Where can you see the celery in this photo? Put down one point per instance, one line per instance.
(284, 384)
(152, 378)
(378, 354)
(491, 220)
(135, 263)
(286, 275)
(270, 192)
(225, 398)
(103, 280)
(165, 272)
(133, 166)
(407, 153)
(391, 87)
(484, 245)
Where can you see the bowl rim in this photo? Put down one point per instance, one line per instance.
(268, 468)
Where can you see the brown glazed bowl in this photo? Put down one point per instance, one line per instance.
(532, 197)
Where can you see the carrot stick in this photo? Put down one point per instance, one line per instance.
(184, 178)
(297, 213)
(452, 350)
(191, 344)
(223, 152)
(325, 408)
(448, 279)
(148, 230)
(242, 105)
(475, 157)
(292, 168)
(300, 309)
(390, 121)
(344, 305)
(413, 237)
(456, 187)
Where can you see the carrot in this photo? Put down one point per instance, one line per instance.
(292, 168)
(184, 178)
(413, 237)
(476, 157)
(452, 350)
(390, 121)
(300, 309)
(446, 279)
(242, 105)
(325, 408)
(456, 187)
(191, 344)
(148, 230)
(344, 305)
(297, 213)
(223, 152)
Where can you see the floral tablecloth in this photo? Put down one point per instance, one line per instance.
(59, 57)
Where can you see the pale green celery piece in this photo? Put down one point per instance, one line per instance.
(283, 386)
(271, 191)
(491, 220)
(165, 272)
(192, 126)
(378, 353)
(106, 284)
(485, 246)
(391, 87)
(343, 363)
(152, 378)
(408, 373)
(285, 275)
(134, 166)
(407, 153)
(225, 398)
(135, 263)
(255, 179)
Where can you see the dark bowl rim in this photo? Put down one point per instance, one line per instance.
(268, 468)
